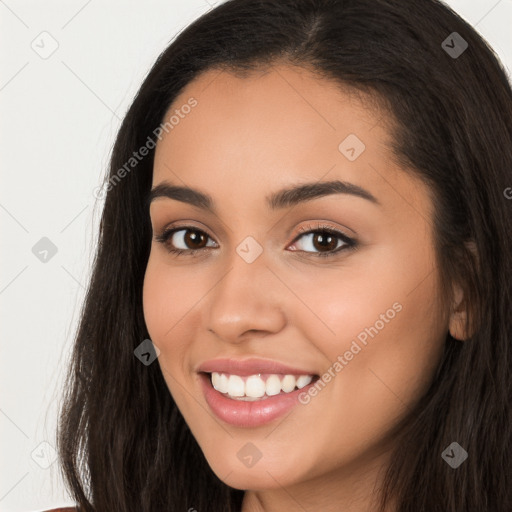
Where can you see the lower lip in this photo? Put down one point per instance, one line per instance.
(241, 413)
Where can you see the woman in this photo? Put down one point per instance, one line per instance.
(301, 295)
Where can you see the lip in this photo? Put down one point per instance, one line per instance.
(252, 414)
(253, 366)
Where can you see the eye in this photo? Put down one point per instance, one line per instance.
(327, 241)
(324, 239)
(178, 240)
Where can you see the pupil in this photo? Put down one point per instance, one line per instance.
(326, 241)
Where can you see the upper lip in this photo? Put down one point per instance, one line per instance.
(253, 366)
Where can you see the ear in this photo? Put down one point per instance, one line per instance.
(458, 315)
(459, 311)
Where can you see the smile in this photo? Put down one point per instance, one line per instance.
(257, 387)
(236, 407)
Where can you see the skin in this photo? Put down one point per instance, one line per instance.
(246, 138)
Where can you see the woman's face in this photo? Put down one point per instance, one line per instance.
(268, 284)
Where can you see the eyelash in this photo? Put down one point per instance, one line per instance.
(350, 243)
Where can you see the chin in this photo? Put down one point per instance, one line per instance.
(254, 479)
(263, 474)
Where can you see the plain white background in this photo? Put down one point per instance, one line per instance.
(59, 117)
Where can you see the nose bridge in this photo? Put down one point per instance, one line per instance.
(245, 298)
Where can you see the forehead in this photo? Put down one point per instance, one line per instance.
(281, 100)
(273, 127)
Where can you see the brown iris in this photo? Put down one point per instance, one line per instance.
(325, 241)
(193, 237)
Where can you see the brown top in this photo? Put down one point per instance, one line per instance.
(67, 509)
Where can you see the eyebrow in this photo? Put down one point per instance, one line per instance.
(284, 198)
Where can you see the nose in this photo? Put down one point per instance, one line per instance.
(247, 302)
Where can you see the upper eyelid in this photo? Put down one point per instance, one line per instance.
(321, 227)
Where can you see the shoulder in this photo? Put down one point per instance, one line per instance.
(66, 509)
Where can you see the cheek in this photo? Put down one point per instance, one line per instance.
(387, 336)
(169, 295)
(378, 315)
(164, 302)
(156, 302)
(172, 311)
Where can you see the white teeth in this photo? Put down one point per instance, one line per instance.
(273, 385)
(304, 380)
(223, 383)
(220, 382)
(236, 386)
(288, 383)
(215, 380)
(254, 387)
